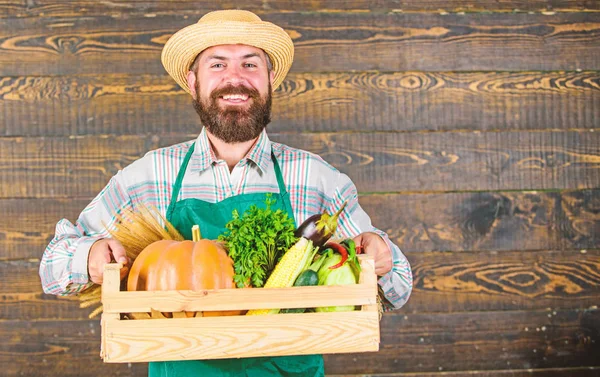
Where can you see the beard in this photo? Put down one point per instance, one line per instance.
(233, 124)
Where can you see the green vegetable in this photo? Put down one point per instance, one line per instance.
(352, 256)
(306, 278)
(256, 241)
(343, 275)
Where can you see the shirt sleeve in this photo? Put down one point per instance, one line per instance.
(63, 269)
(396, 285)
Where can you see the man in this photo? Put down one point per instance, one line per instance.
(230, 62)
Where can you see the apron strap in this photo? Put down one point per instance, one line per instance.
(282, 190)
(181, 174)
(177, 186)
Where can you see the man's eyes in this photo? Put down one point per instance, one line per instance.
(222, 65)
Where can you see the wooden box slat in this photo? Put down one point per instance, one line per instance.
(238, 299)
(199, 338)
(240, 336)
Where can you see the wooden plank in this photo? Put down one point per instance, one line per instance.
(61, 167)
(487, 281)
(554, 372)
(54, 8)
(411, 343)
(59, 348)
(240, 336)
(488, 221)
(482, 221)
(452, 342)
(364, 293)
(325, 42)
(27, 306)
(28, 226)
(323, 102)
(19, 278)
(267, 298)
(443, 282)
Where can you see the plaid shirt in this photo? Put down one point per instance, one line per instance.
(314, 187)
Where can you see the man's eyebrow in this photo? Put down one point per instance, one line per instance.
(219, 57)
(251, 55)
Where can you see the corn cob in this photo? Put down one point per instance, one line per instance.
(293, 262)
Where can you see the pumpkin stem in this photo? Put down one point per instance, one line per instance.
(196, 233)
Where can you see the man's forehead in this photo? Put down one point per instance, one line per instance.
(232, 51)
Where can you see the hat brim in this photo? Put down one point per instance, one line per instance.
(183, 47)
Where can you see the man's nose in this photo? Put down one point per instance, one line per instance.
(234, 76)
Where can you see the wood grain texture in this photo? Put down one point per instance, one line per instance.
(325, 42)
(45, 8)
(20, 280)
(410, 343)
(487, 281)
(482, 221)
(547, 372)
(490, 221)
(323, 102)
(26, 306)
(240, 336)
(71, 167)
(448, 124)
(443, 283)
(239, 299)
(451, 342)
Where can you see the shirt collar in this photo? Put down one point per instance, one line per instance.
(204, 156)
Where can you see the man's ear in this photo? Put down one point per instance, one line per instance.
(191, 80)
(272, 77)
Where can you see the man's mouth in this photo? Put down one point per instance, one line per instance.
(235, 98)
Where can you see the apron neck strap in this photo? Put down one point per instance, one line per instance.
(282, 189)
(177, 186)
(183, 168)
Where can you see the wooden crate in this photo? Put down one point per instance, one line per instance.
(177, 338)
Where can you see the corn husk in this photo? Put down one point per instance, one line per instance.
(135, 229)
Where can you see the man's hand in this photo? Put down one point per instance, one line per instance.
(374, 245)
(102, 252)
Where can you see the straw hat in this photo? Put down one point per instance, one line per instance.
(227, 27)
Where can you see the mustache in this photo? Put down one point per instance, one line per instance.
(230, 90)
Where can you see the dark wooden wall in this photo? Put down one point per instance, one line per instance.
(471, 128)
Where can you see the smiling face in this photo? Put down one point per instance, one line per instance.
(231, 85)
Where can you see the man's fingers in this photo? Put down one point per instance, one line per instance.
(124, 272)
(118, 251)
(382, 267)
(102, 252)
(373, 244)
(99, 259)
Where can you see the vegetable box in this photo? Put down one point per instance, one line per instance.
(181, 337)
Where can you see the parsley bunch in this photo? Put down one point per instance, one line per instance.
(256, 241)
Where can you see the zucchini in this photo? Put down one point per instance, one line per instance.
(305, 279)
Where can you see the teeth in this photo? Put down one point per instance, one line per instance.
(235, 96)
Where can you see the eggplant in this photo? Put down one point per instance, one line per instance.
(319, 228)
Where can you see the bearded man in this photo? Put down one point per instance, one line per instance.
(229, 62)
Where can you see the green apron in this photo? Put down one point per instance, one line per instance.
(212, 217)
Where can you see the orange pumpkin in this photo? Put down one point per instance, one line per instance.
(182, 265)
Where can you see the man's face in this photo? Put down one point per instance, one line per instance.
(232, 88)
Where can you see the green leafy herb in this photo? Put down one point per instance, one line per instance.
(256, 241)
